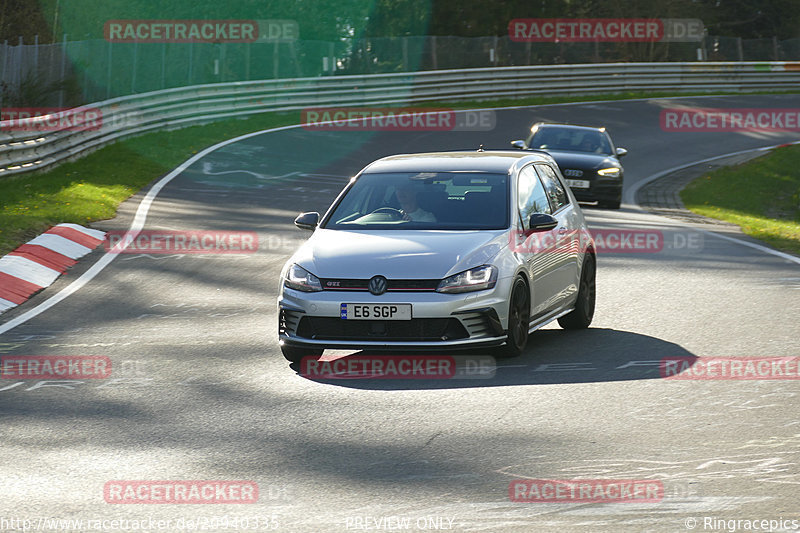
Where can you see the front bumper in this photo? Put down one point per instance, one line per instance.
(600, 189)
(439, 321)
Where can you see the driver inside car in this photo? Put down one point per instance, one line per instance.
(407, 196)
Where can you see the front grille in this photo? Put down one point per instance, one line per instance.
(573, 173)
(416, 329)
(392, 285)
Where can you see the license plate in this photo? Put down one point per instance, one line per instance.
(578, 184)
(375, 311)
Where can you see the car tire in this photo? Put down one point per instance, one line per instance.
(294, 354)
(581, 316)
(519, 313)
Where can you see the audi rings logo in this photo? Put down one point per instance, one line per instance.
(573, 173)
(377, 285)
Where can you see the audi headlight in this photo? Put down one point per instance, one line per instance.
(476, 279)
(611, 172)
(301, 279)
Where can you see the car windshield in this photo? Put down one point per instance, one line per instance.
(424, 200)
(570, 140)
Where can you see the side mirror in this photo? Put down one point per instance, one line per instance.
(518, 144)
(621, 152)
(542, 222)
(307, 220)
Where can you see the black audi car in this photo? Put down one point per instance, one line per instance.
(587, 159)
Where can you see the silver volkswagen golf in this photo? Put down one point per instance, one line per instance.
(439, 251)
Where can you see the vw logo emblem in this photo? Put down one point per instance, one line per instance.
(377, 285)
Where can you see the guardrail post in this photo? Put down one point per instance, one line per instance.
(739, 48)
(434, 63)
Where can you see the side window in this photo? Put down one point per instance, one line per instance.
(531, 195)
(553, 186)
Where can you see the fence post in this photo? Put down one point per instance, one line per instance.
(247, 61)
(133, 73)
(275, 56)
(191, 61)
(739, 48)
(110, 58)
(163, 65)
(775, 48)
(36, 54)
(5, 59)
(20, 60)
(63, 69)
(405, 53)
(434, 63)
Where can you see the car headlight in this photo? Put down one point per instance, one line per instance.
(611, 172)
(476, 279)
(301, 279)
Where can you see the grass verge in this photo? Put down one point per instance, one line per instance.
(762, 196)
(92, 187)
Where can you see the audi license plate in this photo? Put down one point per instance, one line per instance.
(375, 311)
(578, 184)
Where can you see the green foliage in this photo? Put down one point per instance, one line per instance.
(762, 196)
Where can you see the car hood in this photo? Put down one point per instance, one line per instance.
(398, 254)
(583, 160)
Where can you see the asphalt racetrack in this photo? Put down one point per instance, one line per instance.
(199, 389)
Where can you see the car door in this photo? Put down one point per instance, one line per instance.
(537, 250)
(567, 236)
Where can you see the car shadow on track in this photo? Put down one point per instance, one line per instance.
(552, 356)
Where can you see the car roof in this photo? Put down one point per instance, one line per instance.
(490, 161)
(567, 126)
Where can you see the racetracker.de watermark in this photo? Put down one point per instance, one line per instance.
(180, 492)
(576, 30)
(729, 120)
(399, 367)
(50, 119)
(200, 31)
(181, 242)
(586, 490)
(730, 368)
(396, 119)
(55, 367)
(605, 241)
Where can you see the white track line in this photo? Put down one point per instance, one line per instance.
(630, 198)
(135, 228)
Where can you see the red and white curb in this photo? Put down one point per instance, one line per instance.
(38, 263)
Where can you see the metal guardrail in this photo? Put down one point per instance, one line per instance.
(23, 151)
